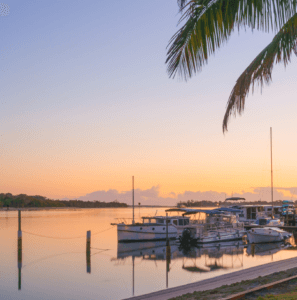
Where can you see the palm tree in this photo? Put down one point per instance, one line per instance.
(208, 24)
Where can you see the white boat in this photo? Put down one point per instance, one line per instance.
(267, 235)
(152, 228)
(214, 226)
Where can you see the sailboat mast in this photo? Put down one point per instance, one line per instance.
(271, 171)
(133, 198)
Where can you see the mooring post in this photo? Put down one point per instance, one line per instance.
(20, 250)
(253, 249)
(89, 251)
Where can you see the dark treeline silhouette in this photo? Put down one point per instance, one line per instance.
(208, 203)
(23, 200)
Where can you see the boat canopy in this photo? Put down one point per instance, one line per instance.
(228, 209)
(191, 211)
(216, 211)
(288, 202)
(234, 199)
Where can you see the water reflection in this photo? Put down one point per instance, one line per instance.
(215, 257)
(205, 259)
(191, 257)
(122, 271)
(265, 249)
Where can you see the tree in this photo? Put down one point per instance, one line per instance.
(208, 24)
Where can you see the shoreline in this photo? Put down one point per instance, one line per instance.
(72, 208)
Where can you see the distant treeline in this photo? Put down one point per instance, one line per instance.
(208, 203)
(23, 200)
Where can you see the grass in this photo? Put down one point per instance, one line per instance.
(287, 296)
(234, 288)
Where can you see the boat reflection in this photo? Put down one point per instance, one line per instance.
(209, 257)
(146, 250)
(265, 248)
(215, 255)
(157, 250)
(218, 257)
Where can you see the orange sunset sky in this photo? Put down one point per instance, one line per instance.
(86, 103)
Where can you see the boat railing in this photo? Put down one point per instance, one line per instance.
(219, 228)
(195, 221)
(126, 221)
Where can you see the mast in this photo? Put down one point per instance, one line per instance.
(271, 172)
(133, 198)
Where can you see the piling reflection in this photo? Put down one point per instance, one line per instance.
(168, 261)
(20, 252)
(20, 260)
(88, 251)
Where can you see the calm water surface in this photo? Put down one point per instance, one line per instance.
(54, 264)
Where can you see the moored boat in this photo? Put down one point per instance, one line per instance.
(217, 225)
(152, 228)
(267, 235)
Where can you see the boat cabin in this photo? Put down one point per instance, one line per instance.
(277, 211)
(250, 213)
(160, 220)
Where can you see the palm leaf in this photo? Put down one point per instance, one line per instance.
(209, 23)
(182, 3)
(260, 70)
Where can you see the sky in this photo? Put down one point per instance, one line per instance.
(86, 103)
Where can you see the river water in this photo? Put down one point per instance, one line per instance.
(54, 263)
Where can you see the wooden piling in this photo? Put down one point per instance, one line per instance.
(20, 252)
(88, 251)
(253, 249)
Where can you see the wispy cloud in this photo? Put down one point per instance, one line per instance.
(152, 196)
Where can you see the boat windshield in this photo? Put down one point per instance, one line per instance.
(183, 222)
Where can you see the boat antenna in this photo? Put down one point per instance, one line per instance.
(271, 171)
(133, 198)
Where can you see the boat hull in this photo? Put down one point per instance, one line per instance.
(137, 233)
(261, 238)
(221, 237)
(267, 235)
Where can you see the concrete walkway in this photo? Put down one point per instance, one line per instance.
(218, 281)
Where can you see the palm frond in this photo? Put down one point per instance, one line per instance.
(182, 3)
(209, 23)
(260, 70)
